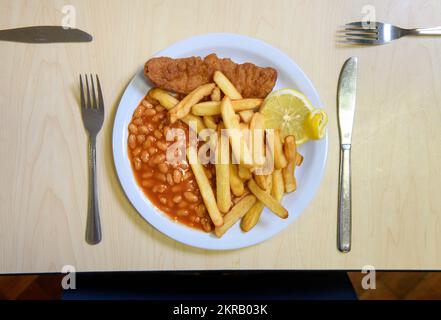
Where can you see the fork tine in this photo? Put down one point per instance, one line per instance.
(363, 31)
(359, 41)
(89, 105)
(356, 36)
(93, 93)
(364, 24)
(83, 102)
(359, 35)
(356, 24)
(100, 94)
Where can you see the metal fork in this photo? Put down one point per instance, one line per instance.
(92, 111)
(376, 33)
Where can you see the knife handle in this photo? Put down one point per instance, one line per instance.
(344, 200)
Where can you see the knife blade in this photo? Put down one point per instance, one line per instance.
(347, 87)
(346, 98)
(45, 34)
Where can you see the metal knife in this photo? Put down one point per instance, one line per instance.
(44, 34)
(346, 96)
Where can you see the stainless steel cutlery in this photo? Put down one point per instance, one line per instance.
(346, 98)
(376, 33)
(44, 34)
(92, 111)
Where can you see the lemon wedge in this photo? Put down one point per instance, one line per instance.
(317, 121)
(291, 112)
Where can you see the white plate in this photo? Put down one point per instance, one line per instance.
(240, 49)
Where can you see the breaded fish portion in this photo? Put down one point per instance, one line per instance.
(186, 74)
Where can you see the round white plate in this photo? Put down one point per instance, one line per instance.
(240, 49)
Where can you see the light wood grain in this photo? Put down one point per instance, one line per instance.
(396, 146)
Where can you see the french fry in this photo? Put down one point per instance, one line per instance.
(216, 94)
(268, 166)
(257, 125)
(236, 184)
(206, 108)
(289, 178)
(246, 115)
(223, 193)
(299, 159)
(280, 160)
(290, 148)
(240, 150)
(278, 187)
(267, 200)
(205, 189)
(244, 173)
(237, 212)
(245, 193)
(289, 171)
(246, 104)
(261, 180)
(269, 183)
(149, 99)
(209, 122)
(184, 106)
(226, 86)
(164, 98)
(246, 141)
(243, 127)
(189, 118)
(212, 108)
(251, 218)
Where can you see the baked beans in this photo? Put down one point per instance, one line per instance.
(171, 188)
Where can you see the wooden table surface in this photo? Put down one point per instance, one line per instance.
(396, 145)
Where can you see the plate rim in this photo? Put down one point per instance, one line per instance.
(313, 95)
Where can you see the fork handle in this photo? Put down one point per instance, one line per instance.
(93, 227)
(344, 200)
(435, 31)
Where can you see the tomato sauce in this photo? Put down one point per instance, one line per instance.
(171, 187)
